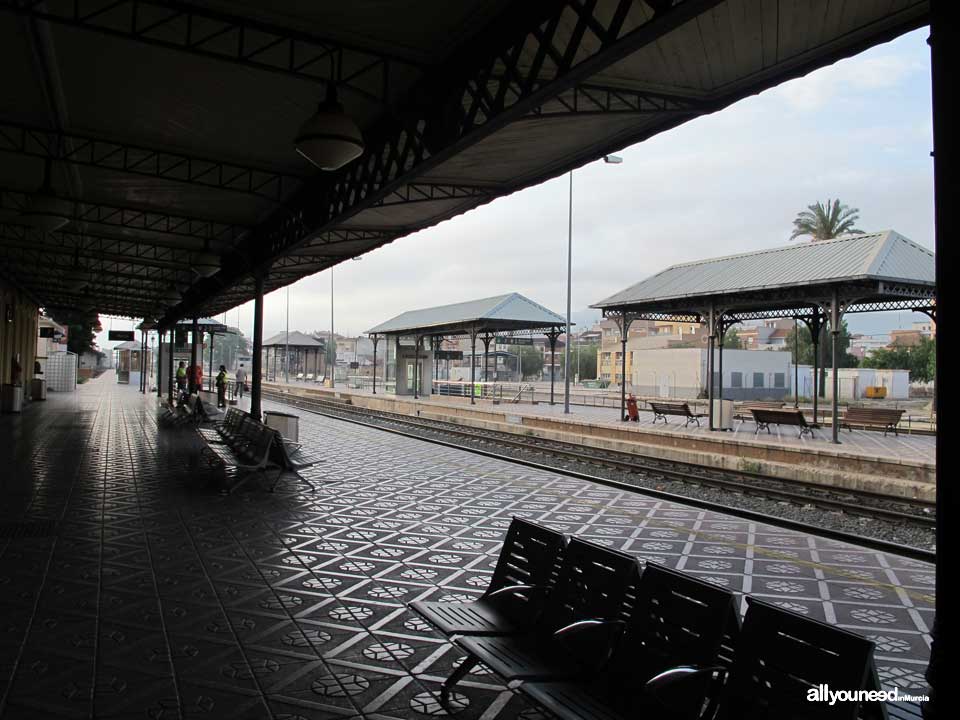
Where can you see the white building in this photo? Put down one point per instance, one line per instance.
(853, 383)
(682, 372)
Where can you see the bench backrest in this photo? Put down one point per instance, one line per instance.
(779, 417)
(670, 407)
(256, 439)
(884, 415)
(676, 620)
(531, 555)
(748, 404)
(781, 656)
(594, 582)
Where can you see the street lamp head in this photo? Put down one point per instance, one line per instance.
(612, 159)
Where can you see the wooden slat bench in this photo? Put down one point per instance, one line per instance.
(662, 409)
(866, 417)
(743, 410)
(766, 417)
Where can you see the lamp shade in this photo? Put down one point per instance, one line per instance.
(205, 264)
(330, 138)
(45, 211)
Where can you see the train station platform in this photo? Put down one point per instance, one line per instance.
(899, 466)
(131, 587)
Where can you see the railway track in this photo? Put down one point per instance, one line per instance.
(556, 453)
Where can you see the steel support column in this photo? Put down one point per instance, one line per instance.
(944, 60)
(835, 315)
(711, 343)
(552, 337)
(192, 379)
(159, 354)
(255, 380)
(212, 385)
(625, 320)
(376, 341)
(486, 354)
(416, 366)
(473, 366)
(815, 324)
(796, 365)
(170, 378)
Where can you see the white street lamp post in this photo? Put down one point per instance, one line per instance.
(610, 160)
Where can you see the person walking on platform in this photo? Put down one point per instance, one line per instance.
(241, 381)
(182, 377)
(197, 377)
(222, 387)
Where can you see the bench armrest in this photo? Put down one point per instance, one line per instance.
(591, 642)
(682, 690)
(522, 602)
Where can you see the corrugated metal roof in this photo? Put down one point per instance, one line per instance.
(500, 310)
(297, 339)
(883, 255)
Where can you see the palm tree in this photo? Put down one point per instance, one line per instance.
(825, 222)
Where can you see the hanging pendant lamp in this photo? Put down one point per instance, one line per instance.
(330, 138)
(44, 210)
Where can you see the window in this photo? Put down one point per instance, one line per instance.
(758, 380)
(736, 379)
(779, 380)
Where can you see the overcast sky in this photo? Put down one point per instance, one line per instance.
(729, 182)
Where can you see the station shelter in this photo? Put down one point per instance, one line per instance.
(814, 283)
(189, 347)
(132, 360)
(416, 337)
(295, 355)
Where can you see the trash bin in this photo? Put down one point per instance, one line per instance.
(38, 389)
(284, 423)
(11, 398)
(723, 414)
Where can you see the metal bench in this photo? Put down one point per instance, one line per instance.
(662, 409)
(247, 450)
(767, 417)
(526, 569)
(676, 620)
(885, 418)
(780, 657)
(595, 585)
(743, 410)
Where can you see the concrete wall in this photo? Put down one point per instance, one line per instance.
(682, 372)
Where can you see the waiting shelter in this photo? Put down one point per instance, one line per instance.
(294, 354)
(492, 319)
(188, 347)
(816, 283)
(131, 359)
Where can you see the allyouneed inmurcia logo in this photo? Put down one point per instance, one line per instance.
(823, 693)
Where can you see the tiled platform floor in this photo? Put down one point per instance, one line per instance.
(157, 597)
(870, 444)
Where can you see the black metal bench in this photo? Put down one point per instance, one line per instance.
(247, 450)
(742, 410)
(662, 409)
(766, 417)
(526, 569)
(586, 609)
(676, 620)
(886, 419)
(779, 659)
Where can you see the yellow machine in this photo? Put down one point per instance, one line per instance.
(876, 391)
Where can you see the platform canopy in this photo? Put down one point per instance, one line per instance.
(869, 272)
(293, 339)
(510, 314)
(147, 161)
(206, 325)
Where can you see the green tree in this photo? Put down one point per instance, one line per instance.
(531, 360)
(825, 222)
(586, 366)
(81, 330)
(919, 360)
(732, 341)
(226, 348)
